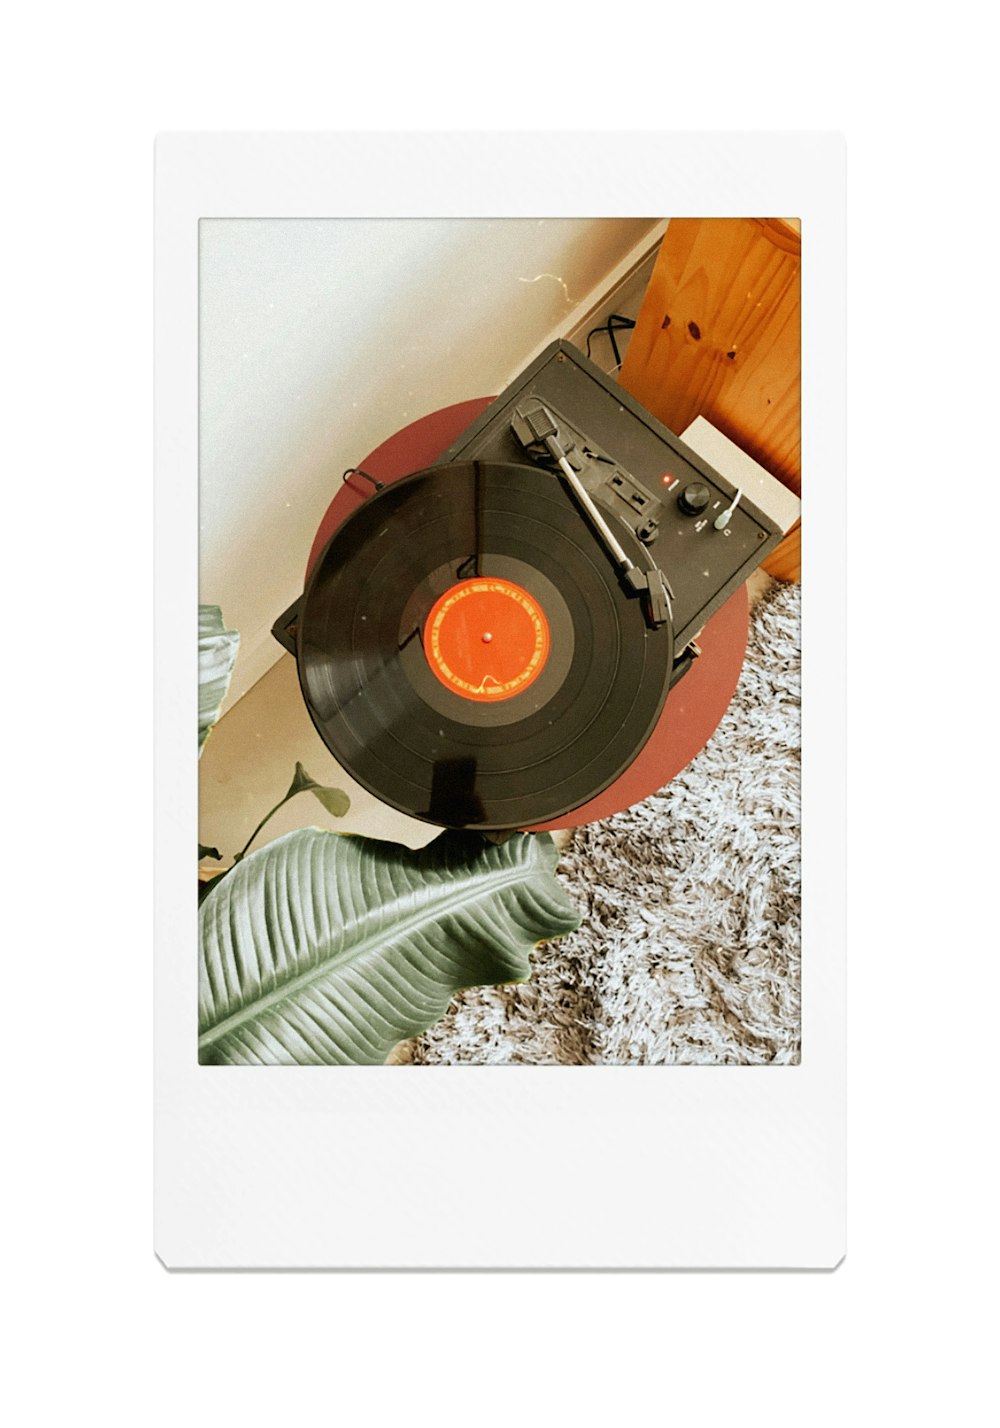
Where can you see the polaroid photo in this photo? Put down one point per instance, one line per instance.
(517, 655)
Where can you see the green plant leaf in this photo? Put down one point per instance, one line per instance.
(326, 949)
(334, 800)
(205, 885)
(217, 648)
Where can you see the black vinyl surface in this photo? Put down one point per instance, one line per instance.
(410, 740)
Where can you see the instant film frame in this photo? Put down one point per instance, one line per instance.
(617, 1167)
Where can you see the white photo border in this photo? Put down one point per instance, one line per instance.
(501, 1167)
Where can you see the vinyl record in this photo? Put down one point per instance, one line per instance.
(469, 654)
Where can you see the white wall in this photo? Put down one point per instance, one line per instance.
(321, 337)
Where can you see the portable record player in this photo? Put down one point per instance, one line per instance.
(488, 642)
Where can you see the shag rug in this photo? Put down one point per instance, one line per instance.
(689, 948)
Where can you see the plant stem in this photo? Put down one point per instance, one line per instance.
(260, 825)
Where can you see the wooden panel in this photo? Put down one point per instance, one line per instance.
(719, 335)
(785, 561)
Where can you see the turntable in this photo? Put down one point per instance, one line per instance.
(488, 636)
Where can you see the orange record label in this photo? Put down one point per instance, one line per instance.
(486, 639)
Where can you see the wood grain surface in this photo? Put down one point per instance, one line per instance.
(719, 335)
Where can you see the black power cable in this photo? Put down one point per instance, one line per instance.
(615, 323)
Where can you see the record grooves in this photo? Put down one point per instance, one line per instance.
(470, 655)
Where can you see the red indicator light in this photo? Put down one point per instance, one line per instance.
(666, 480)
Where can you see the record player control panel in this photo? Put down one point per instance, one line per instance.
(704, 534)
(645, 511)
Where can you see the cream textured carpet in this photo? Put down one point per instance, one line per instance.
(689, 948)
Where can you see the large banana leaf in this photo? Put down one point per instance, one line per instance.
(326, 949)
(217, 648)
